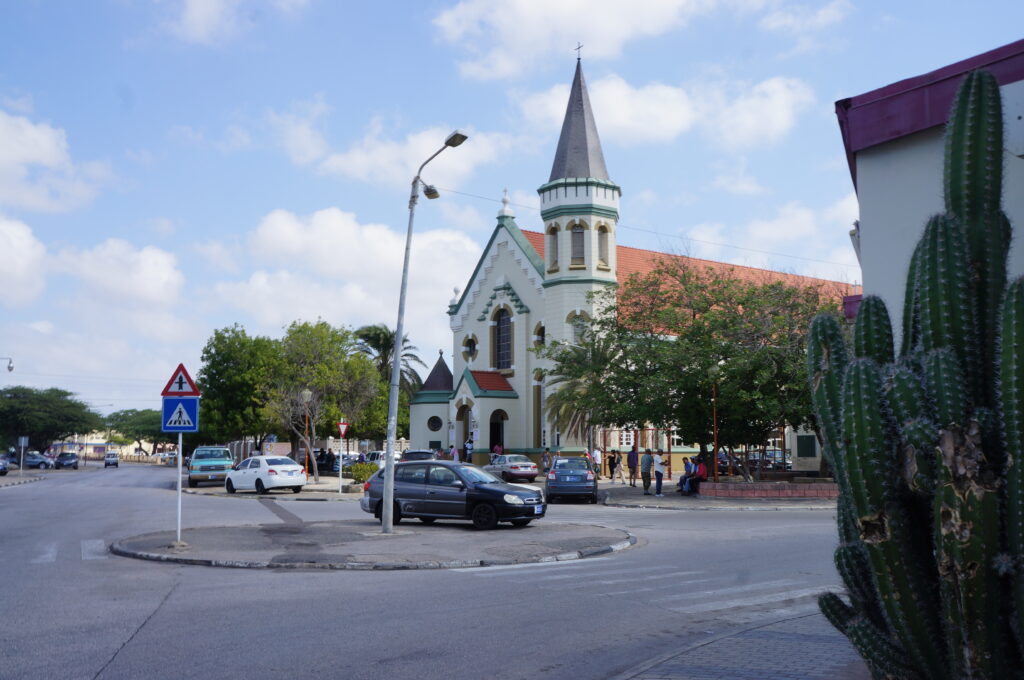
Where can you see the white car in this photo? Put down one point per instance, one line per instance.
(264, 473)
(378, 457)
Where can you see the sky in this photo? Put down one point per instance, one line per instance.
(171, 167)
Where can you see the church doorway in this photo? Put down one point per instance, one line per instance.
(463, 417)
(498, 419)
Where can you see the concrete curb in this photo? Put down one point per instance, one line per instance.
(275, 497)
(26, 480)
(121, 550)
(740, 508)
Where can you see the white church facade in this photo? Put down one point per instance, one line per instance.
(527, 289)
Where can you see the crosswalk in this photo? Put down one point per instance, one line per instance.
(700, 595)
(86, 550)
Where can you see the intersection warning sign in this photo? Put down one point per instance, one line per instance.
(180, 384)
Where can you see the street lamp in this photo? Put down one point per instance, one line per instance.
(715, 373)
(306, 395)
(454, 139)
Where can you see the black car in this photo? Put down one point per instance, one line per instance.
(66, 460)
(441, 489)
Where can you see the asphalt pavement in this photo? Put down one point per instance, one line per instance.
(700, 595)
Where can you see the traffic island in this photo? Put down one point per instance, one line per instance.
(360, 545)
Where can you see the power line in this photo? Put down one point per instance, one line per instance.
(667, 235)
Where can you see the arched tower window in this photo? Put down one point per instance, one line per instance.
(602, 245)
(552, 248)
(503, 339)
(577, 245)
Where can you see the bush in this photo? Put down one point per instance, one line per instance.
(360, 472)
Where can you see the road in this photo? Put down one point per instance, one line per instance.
(72, 610)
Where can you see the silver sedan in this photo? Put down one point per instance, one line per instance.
(512, 467)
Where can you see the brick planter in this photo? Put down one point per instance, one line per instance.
(768, 490)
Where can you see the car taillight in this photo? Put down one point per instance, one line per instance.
(590, 476)
(271, 472)
(366, 486)
(551, 475)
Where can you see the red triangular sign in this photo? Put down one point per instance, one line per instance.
(343, 428)
(180, 384)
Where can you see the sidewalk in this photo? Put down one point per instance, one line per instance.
(625, 496)
(324, 490)
(804, 648)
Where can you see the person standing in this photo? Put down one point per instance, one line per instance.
(545, 459)
(613, 464)
(632, 460)
(659, 472)
(455, 453)
(646, 461)
(468, 446)
(596, 455)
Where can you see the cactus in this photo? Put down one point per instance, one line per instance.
(928, 448)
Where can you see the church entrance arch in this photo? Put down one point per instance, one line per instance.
(498, 418)
(464, 427)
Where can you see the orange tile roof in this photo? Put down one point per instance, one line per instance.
(491, 381)
(638, 261)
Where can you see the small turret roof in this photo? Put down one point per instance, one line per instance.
(579, 147)
(440, 377)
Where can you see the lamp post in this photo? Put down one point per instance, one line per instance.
(306, 395)
(715, 373)
(453, 140)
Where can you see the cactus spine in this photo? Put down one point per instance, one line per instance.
(928, 449)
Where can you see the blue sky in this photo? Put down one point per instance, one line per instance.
(169, 167)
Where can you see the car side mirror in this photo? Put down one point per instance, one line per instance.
(458, 484)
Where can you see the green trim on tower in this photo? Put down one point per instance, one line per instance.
(517, 302)
(559, 282)
(431, 397)
(581, 209)
(578, 182)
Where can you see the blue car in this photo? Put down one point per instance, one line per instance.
(3, 466)
(571, 477)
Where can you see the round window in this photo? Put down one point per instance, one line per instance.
(434, 423)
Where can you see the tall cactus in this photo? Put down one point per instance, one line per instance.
(928, 448)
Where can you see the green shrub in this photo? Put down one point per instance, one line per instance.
(360, 472)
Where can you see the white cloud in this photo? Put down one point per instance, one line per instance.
(115, 270)
(234, 138)
(23, 104)
(219, 256)
(628, 115)
(799, 19)
(350, 274)
(464, 217)
(22, 263)
(209, 22)
(511, 40)
(736, 180)
(42, 327)
(740, 116)
(377, 158)
(162, 226)
(36, 170)
(297, 133)
(844, 211)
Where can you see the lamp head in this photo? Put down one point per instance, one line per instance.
(430, 191)
(10, 365)
(456, 138)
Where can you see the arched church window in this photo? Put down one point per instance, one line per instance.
(577, 245)
(602, 245)
(552, 248)
(503, 339)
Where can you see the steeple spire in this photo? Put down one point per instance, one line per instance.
(579, 148)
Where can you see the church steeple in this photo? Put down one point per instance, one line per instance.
(579, 147)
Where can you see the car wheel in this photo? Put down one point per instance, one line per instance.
(260, 489)
(296, 489)
(229, 487)
(531, 479)
(520, 522)
(427, 520)
(3, 473)
(593, 499)
(485, 517)
(42, 466)
(76, 466)
(192, 483)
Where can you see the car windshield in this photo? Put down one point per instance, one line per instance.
(218, 454)
(281, 461)
(475, 474)
(66, 455)
(572, 464)
(517, 459)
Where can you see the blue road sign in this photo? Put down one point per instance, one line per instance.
(181, 414)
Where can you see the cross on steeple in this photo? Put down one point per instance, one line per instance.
(578, 48)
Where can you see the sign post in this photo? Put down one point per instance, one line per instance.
(180, 414)
(342, 429)
(22, 443)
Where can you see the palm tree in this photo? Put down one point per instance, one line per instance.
(378, 342)
(578, 383)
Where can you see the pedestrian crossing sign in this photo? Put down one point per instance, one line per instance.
(180, 414)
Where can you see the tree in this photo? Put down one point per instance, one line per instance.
(235, 380)
(139, 426)
(44, 416)
(322, 376)
(378, 342)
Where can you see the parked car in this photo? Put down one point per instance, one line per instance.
(442, 489)
(264, 473)
(513, 466)
(209, 464)
(34, 459)
(3, 466)
(417, 454)
(377, 457)
(571, 477)
(66, 460)
(110, 459)
(349, 459)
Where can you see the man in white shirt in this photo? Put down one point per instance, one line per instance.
(597, 462)
(659, 472)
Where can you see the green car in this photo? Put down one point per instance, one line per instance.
(209, 464)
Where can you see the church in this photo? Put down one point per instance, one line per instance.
(529, 288)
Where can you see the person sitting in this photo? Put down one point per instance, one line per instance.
(689, 467)
(692, 483)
